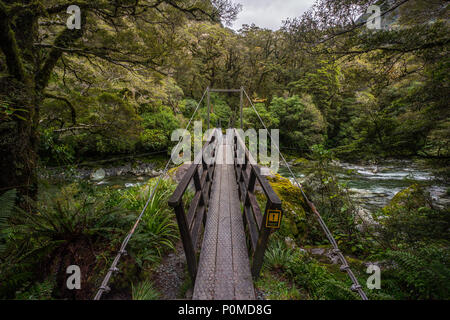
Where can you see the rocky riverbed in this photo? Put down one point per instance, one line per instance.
(374, 185)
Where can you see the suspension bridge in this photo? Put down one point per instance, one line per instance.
(224, 229)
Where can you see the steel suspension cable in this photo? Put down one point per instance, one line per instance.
(336, 251)
(113, 269)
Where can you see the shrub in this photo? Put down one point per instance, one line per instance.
(158, 232)
(277, 256)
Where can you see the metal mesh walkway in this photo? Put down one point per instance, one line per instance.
(224, 268)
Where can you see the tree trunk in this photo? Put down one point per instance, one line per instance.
(19, 141)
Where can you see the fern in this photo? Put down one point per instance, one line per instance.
(332, 289)
(424, 273)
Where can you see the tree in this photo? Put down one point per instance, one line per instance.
(34, 39)
(301, 123)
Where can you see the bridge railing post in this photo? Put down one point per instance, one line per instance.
(187, 240)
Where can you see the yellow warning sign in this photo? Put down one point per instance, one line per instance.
(273, 219)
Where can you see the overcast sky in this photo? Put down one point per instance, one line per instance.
(269, 13)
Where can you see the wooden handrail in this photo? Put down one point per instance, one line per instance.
(190, 225)
(247, 174)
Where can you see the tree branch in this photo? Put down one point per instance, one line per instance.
(65, 39)
(69, 104)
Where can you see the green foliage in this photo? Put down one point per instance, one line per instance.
(333, 201)
(159, 125)
(7, 201)
(71, 220)
(53, 151)
(38, 291)
(277, 256)
(301, 123)
(251, 119)
(68, 217)
(220, 110)
(144, 291)
(410, 219)
(158, 232)
(187, 107)
(160, 118)
(320, 283)
(7, 111)
(275, 287)
(154, 139)
(422, 273)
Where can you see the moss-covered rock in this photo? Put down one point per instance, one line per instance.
(294, 215)
(301, 162)
(413, 197)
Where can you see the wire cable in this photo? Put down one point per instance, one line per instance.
(113, 269)
(336, 251)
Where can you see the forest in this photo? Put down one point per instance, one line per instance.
(343, 95)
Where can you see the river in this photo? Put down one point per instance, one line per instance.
(373, 186)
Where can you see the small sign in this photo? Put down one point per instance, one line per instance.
(273, 219)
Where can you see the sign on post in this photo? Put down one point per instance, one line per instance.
(273, 219)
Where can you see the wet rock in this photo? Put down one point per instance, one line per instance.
(318, 251)
(333, 257)
(364, 219)
(290, 243)
(98, 175)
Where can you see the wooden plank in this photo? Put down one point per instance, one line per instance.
(224, 268)
(205, 281)
(177, 196)
(258, 255)
(267, 188)
(243, 282)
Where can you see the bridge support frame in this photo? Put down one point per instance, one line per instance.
(241, 103)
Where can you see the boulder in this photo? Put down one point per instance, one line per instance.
(413, 197)
(98, 175)
(364, 219)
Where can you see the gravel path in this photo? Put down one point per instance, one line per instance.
(170, 275)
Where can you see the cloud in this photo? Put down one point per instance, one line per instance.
(270, 13)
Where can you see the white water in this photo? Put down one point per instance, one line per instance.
(373, 186)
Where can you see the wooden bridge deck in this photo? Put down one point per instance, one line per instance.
(224, 267)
